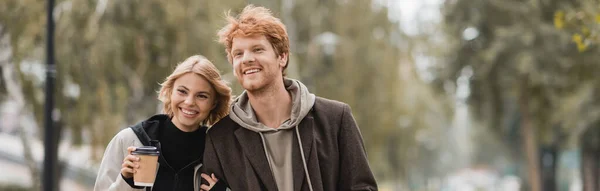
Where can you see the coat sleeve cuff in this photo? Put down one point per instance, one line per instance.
(219, 186)
(129, 181)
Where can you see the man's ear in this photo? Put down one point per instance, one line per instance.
(282, 59)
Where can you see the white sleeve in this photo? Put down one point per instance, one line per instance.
(109, 174)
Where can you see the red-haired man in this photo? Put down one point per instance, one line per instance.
(279, 136)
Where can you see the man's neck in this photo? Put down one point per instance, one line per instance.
(272, 106)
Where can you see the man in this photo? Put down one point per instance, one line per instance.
(279, 136)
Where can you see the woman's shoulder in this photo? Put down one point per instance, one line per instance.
(123, 139)
(126, 134)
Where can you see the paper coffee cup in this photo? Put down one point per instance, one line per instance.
(146, 173)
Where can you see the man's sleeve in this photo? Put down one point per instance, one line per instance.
(355, 173)
(212, 165)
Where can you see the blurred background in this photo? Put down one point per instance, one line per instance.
(449, 94)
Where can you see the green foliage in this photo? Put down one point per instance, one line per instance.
(511, 49)
(582, 20)
(528, 66)
(111, 55)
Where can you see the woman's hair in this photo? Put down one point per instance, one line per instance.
(255, 21)
(201, 66)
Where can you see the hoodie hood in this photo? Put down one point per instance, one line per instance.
(302, 101)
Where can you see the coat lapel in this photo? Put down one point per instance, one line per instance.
(306, 135)
(252, 146)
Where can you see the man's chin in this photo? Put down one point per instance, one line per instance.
(250, 89)
(251, 86)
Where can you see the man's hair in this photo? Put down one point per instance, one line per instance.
(203, 67)
(255, 21)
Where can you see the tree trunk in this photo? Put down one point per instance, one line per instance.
(15, 94)
(529, 141)
(590, 158)
(34, 171)
(548, 159)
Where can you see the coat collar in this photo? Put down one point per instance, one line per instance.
(253, 150)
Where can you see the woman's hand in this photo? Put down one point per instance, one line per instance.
(130, 163)
(212, 180)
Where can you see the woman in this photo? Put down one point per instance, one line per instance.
(194, 96)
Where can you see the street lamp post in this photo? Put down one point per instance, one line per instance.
(50, 180)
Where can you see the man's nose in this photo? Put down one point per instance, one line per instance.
(248, 58)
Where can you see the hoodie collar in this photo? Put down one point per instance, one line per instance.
(302, 102)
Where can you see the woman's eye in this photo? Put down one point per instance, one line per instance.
(181, 91)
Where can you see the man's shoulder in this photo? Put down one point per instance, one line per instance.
(329, 105)
(223, 127)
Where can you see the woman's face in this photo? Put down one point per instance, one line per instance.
(192, 100)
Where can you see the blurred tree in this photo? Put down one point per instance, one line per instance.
(590, 155)
(21, 31)
(522, 65)
(111, 56)
(582, 20)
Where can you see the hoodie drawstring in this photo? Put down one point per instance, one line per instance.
(303, 159)
(262, 138)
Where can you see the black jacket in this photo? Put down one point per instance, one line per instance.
(148, 132)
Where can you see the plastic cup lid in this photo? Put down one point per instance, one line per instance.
(146, 150)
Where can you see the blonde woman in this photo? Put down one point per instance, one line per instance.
(194, 97)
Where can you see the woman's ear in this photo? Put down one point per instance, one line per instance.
(214, 105)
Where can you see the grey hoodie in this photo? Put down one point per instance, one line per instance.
(277, 142)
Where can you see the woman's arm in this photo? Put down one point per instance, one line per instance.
(109, 175)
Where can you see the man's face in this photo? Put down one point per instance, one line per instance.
(255, 63)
